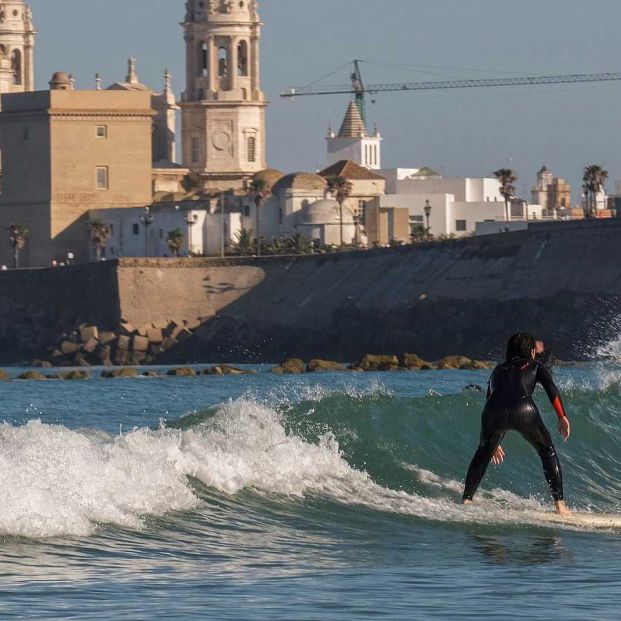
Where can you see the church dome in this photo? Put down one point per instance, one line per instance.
(301, 181)
(60, 81)
(325, 211)
(270, 175)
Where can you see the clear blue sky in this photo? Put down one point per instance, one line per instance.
(463, 133)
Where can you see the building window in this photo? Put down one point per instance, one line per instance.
(101, 176)
(111, 251)
(136, 228)
(101, 131)
(460, 226)
(247, 211)
(252, 149)
(417, 220)
(195, 155)
(26, 133)
(161, 233)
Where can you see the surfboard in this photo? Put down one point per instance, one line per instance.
(597, 521)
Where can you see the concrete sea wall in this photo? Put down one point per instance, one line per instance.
(561, 281)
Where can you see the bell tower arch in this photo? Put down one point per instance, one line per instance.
(223, 106)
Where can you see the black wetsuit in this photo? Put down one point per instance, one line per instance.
(509, 407)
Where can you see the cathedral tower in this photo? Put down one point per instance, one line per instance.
(223, 107)
(17, 37)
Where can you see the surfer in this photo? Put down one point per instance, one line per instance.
(510, 407)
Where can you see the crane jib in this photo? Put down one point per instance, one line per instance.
(448, 84)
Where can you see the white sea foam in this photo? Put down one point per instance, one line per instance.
(57, 482)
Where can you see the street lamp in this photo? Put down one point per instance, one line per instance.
(427, 210)
(147, 221)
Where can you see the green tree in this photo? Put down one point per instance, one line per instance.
(507, 178)
(18, 236)
(259, 190)
(593, 180)
(175, 241)
(341, 189)
(99, 233)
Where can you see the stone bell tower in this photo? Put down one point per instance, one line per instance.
(223, 107)
(17, 38)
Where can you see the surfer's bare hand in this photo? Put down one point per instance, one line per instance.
(564, 428)
(499, 456)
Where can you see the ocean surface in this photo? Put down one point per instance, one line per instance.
(316, 497)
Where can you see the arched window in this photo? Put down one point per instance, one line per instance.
(204, 60)
(252, 149)
(223, 62)
(242, 59)
(16, 63)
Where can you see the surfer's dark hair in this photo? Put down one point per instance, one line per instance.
(520, 345)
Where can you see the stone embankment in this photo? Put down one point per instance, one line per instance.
(561, 281)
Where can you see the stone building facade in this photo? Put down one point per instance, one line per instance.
(223, 106)
(551, 192)
(79, 151)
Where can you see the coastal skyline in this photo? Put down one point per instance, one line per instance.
(461, 133)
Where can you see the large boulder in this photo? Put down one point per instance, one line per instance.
(372, 362)
(76, 375)
(413, 362)
(68, 347)
(89, 332)
(182, 372)
(32, 375)
(463, 363)
(124, 372)
(323, 366)
(155, 335)
(291, 366)
(4, 376)
(140, 343)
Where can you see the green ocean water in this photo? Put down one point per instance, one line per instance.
(315, 497)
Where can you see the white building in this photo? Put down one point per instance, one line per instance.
(457, 205)
(141, 233)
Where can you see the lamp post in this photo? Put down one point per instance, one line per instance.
(147, 220)
(427, 210)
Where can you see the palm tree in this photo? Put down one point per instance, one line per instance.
(18, 236)
(507, 178)
(594, 180)
(341, 189)
(260, 190)
(175, 241)
(244, 244)
(100, 233)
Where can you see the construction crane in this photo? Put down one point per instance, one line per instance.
(360, 90)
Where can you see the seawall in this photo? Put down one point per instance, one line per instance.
(561, 281)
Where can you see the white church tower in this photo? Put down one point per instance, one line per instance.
(354, 142)
(223, 107)
(17, 39)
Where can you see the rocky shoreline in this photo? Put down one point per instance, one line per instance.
(292, 366)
